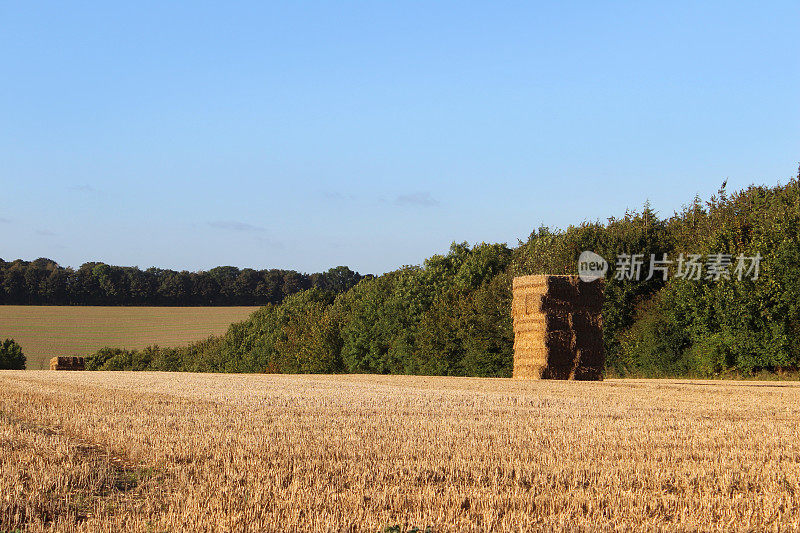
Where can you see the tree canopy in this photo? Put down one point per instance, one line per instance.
(451, 315)
(44, 282)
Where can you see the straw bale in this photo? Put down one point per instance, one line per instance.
(557, 328)
(67, 363)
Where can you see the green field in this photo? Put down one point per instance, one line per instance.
(47, 331)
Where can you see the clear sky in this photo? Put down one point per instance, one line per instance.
(306, 135)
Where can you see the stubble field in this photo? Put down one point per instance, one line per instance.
(47, 331)
(204, 452)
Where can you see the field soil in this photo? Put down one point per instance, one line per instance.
(49, 331)
(91, 451)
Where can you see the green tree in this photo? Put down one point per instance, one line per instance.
(11, 356)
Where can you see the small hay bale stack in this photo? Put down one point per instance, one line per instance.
(558, 331)
(68, 363)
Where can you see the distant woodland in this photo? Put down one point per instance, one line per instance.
(44, 282)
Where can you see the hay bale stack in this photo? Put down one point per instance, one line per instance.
(558, 331)
(68, 363)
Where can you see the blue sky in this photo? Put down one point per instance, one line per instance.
(312, 134)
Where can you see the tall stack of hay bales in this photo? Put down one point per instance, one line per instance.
(558, 331)
(68, 363)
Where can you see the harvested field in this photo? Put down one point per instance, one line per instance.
(51, 331)
(169, 452)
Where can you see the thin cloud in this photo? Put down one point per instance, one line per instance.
(418, 199)
(5, 220)
(87, 189)
(234, 225)
(44, 233)
(257, 232)
(270, 242)
(337, 196)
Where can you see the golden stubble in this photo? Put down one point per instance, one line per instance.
(178, 452)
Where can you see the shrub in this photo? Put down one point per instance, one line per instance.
(11, 356)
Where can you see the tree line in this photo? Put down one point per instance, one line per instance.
(44, 282)
(451, 315)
